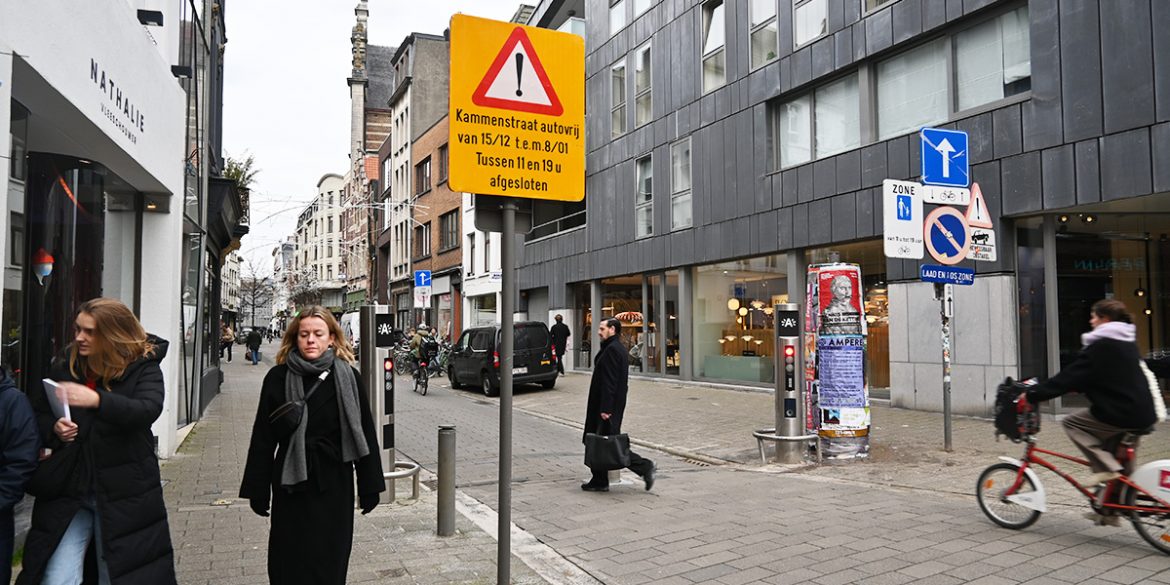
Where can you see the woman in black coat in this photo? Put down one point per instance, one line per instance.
(309, 482)
(112, 499)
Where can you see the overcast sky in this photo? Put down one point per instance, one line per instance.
(285, 95)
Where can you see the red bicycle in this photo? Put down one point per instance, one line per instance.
(1011, 495)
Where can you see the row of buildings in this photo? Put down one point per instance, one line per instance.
(730, 144)
(110, 131)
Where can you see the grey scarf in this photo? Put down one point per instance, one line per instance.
(353, 440)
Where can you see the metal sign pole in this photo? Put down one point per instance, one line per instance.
(946, 297)
(507, 308)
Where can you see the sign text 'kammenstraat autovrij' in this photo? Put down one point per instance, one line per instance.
(517, 110)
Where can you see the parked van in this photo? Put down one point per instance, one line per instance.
(475, 358)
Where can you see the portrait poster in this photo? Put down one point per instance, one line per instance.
(839, 299)
(841, 359)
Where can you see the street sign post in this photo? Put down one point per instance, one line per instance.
(944, 157)
(902, 219)
(517, 130)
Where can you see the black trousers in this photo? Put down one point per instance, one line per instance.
(638, 464)
(7, 527)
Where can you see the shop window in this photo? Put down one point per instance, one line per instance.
(912, 90)
(617, 81)
(680, 185)
(582, 326)
(810, 21)
(644, 199)
(617, 16)
(714, 40)
(642, 86)
(733, 318)
(993, 60)
(764, 33)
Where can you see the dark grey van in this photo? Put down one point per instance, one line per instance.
(475, 359)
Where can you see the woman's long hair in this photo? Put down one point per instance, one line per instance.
(1113, 310)
(342, 349)
(118, 340)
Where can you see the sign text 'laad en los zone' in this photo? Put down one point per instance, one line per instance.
(517, 110)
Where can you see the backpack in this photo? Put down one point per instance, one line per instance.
(428, 347)
(1015, 418)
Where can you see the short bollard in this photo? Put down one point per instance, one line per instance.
(446, 480)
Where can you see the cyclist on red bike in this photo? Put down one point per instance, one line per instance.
(1109, 372)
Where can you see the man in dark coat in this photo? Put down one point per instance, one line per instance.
(607, 402)
(254, 340)
(560, 340)
(121, 466)
(19, 445)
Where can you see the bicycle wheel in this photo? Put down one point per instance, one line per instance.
(424, 381)
(1153, 526)
(993, 482)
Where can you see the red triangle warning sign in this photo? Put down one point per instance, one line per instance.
(977, 214)
(516, 80)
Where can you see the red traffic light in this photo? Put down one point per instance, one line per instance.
(789, 351)
(388, 364)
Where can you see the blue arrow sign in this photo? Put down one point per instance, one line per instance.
(422, 278)
(946, 274)
(944, 157)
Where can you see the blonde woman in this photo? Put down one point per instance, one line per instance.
(112, 499)
(308, 476)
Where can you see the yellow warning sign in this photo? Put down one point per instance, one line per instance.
(517, 110)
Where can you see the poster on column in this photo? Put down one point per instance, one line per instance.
(839, 295)
(841, 359)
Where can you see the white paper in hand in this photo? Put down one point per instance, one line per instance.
(57, 399)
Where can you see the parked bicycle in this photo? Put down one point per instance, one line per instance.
(1011, 495)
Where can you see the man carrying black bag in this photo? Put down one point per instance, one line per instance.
(607, 403)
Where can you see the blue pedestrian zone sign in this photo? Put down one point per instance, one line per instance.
(944, 158)
(422, 278)
(905, 205)
(946, 274)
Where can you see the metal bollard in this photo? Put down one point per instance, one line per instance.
(446, 480)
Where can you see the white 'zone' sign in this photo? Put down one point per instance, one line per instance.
(902, 219)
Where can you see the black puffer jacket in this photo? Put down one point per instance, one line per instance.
(1108, 373)
(120, 464)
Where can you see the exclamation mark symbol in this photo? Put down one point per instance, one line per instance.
(519, 72)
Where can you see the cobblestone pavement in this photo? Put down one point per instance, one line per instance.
(717, 515)
(218, 540)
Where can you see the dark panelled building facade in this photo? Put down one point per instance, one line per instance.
(733, 142)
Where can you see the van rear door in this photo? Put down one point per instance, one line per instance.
(533, 353)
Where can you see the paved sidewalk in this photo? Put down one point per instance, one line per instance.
(218, 540)
(715, 424)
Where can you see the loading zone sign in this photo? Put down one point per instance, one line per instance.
(517, 110)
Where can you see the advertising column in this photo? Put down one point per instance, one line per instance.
(835, 346)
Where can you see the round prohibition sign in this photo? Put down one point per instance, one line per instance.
(946, 235)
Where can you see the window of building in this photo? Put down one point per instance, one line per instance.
(328, 248)
(912, 90)
(993, 60)
(16, 239)
(449, 230)
(18, 149)
(617, 76)
(871, 5)
(617, 16)
(487, 252)
(734, 335)
(714, 40)
(837, 118)
(792, 134)
(764, 32)
(644, 198)
(422, 176)
(442, 165)
(386, 175)
(422, 240)
(329, 272)
(553, 217)
(680, 184)
(330, 225)
(470, 254)
(643, 111)
(810, 21)
(641, 6)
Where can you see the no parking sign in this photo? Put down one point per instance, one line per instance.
(947, 236)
